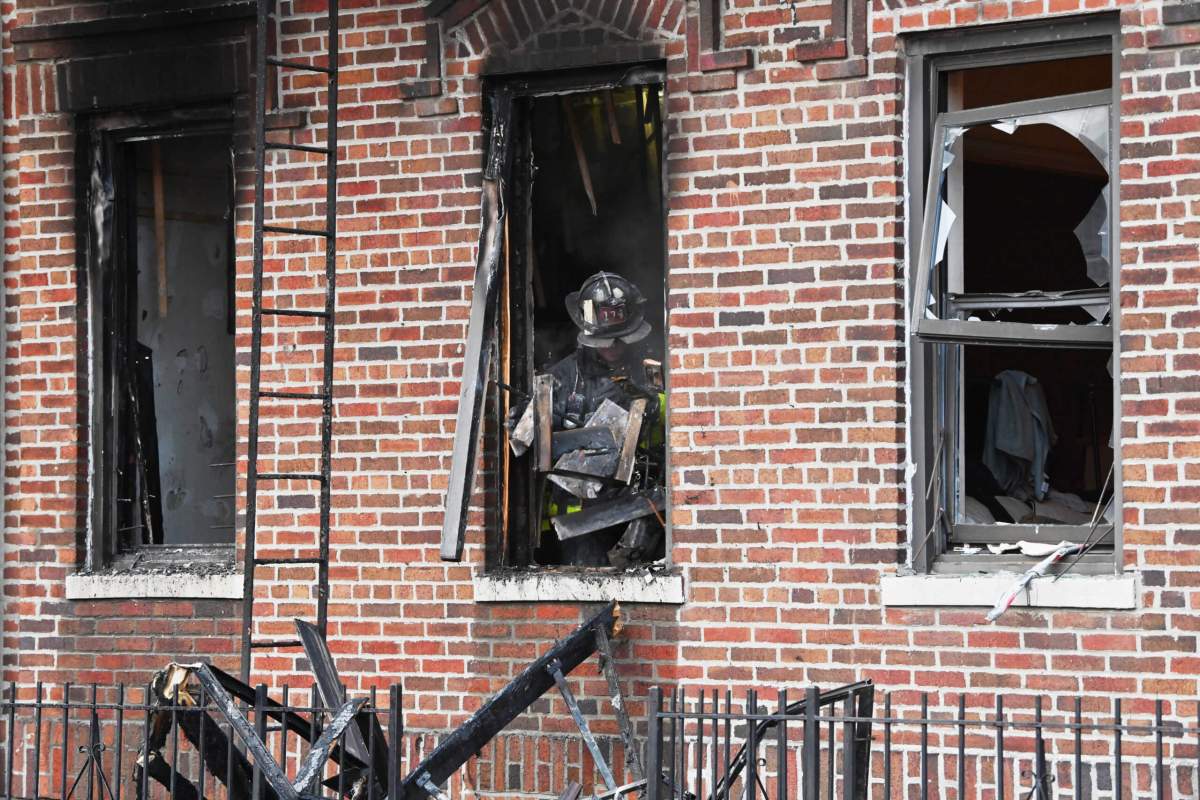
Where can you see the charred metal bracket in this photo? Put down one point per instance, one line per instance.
(844, 47)
(555, 670)
(314, 759)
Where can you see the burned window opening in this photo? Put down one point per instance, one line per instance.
(1013, 314)
(160, 278)
(584, 306)
(567, 327)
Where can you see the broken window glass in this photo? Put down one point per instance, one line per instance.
(1013, 309)
(1017, 225)
(161, 279)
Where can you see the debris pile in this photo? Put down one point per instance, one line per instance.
(343, 739)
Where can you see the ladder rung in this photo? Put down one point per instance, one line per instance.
(295, 395)
(291, 476)
(304, 148)
(276, 643)
(270, 561)
(283, 62)
(294, 312)
(295, 231)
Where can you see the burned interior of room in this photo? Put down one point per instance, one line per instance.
(168, 319)
(1030, 198)
(582, 331)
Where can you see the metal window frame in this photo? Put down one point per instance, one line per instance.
(929, 57)
(977, 117)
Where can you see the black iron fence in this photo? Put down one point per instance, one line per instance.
(710, 745)
(87, 743)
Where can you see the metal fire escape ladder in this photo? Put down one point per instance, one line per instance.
(259, 312)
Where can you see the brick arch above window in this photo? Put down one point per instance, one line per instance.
(511, 35)
(488, 25)
(507, 36)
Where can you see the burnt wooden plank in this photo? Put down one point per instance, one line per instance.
(480, 332)
(604, 515)
(502, 709)
(592, 438)
(543, 398)
(633, 760)
(637, 415)
(333, 695)
(298, 724)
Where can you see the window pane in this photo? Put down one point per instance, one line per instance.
(1020, 206)
(1036, 434)
(1026, 191)
(1009, 83)
(178, 373)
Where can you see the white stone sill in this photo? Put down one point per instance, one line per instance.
(546, 587)
(1072, 591)
(151, 586)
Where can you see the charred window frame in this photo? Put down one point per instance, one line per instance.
(942, 323)
(501, 366)
(120, 502)
(518, 506)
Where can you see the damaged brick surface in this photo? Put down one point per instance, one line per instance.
(786, 241)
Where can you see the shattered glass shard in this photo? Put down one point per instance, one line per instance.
(1093, 235)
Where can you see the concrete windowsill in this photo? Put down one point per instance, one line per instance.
(1072, 591)
(153, 586)
(567, 587)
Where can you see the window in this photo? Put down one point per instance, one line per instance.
(574, 347)
(1013, 316)
(159, 287)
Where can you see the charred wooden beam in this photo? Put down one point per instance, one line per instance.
(633, 759)
(591, 438)
(479, 332)
(164, 775)
(506, 706)
(604, 515)
(313, 761)
(633, 432)
(296, 723)
(366, 725)
(560, 680)
(543, 400)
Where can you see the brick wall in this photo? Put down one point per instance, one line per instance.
(786, 351)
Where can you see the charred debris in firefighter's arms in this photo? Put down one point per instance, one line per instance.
(602, 407)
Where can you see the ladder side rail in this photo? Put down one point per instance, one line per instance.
(260, 113)
(331, 142)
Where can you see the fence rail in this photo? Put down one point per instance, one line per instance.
(809, 749)
(85, 743)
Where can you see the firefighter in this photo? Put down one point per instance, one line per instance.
(608, 364)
